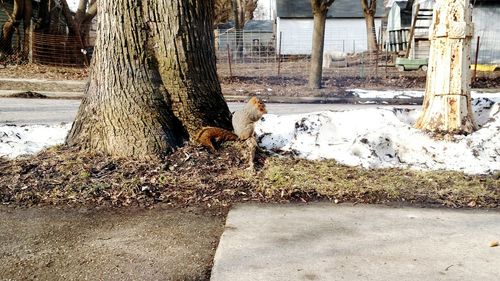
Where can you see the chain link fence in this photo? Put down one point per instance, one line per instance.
(262, 54)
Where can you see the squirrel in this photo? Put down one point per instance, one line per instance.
(243, 124)
(244, 119)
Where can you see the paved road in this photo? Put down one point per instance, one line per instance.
(342, 242)
(50, 111)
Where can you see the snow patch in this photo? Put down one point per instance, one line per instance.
(30, 139)
(382, 138)
(371, 138)
(408, 94)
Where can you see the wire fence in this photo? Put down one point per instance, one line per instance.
(56, 48)
(262, 54)
(255, 53)
(59, 50)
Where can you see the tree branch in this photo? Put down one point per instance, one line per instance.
(91, 12)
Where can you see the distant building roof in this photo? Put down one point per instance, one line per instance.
(339, 9)
(251, 25)
(260, 25)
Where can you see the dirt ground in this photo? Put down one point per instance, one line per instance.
(255, 79)
(110, 244)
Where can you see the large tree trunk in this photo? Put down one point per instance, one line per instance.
(369, 10)
(153, 80)
(318, 44)
(186, 59)
(447, 106)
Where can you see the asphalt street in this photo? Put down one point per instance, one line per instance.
(52, 111)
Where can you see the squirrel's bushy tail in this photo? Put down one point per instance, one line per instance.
(207, 136)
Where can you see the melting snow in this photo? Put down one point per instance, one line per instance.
(372, 138)
(380, 138)
(30, 139)
(407, 94)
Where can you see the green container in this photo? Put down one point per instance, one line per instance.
(403, 64)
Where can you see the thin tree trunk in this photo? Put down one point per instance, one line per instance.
(28, 13)
(43, 16)
(318, 44)
(153, 80)
(10, 26)
(369, 9)
(239, 24)
(371, 35)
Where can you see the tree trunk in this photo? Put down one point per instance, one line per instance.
(186, 59)
(318, 44)
(10, 26)
(447, 106)
(369, 10)
(43, 16)
(239, 24)
(153, 80)
(28, 13)
(371, 34)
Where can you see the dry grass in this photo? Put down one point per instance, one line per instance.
(193, 177)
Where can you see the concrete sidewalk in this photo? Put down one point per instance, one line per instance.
(342, 242)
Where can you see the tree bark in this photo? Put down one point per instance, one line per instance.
(447, 105)
(318, 44)
(28, 14)
(369, 10)
(10, 26)
(185, 54)
(239, 24)
(153, 80)
(320, 10)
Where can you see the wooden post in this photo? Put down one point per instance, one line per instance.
(412, 30)
(279, 54)
(229, 61)
(475, 62)
(31, 39)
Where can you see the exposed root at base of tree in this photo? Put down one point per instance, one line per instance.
(191, 176)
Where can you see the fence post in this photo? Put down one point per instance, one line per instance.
(279, 54)
(31, 39)
(362, 68)
(229, 61)
(475, 63)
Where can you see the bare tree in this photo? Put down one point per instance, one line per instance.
(48, 21)
(21, 13)
(250, 8)
(79, 22)
(447, 106)
(242, 11)
(320, 10)
(369, 10)
(223, 11)
(153, 80)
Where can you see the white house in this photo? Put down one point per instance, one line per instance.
(345, 26)
(485, 15)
